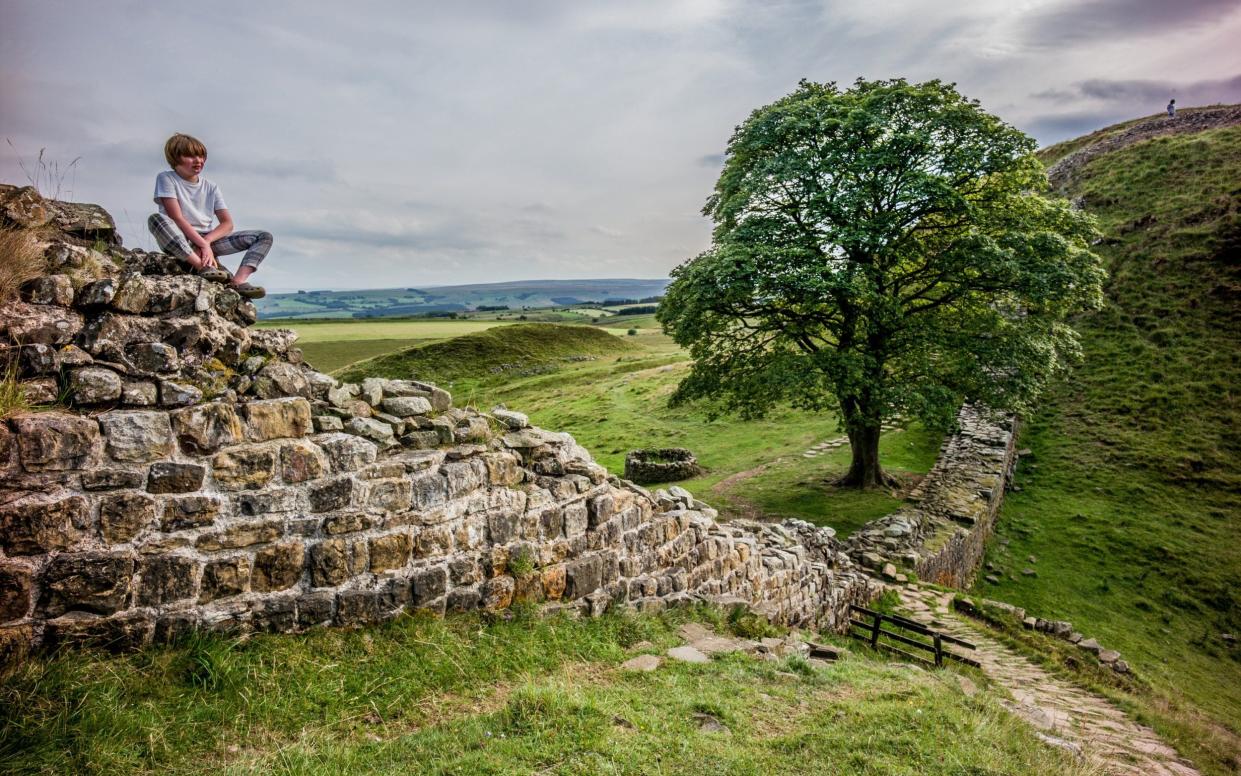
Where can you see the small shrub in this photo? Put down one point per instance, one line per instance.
(21, 260)
(632, 332)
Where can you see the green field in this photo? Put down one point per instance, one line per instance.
(330, 345)
(1129, 497)
(530, 695)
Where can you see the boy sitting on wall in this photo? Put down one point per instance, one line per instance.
(182, 227)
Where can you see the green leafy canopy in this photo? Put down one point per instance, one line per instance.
(889, 247)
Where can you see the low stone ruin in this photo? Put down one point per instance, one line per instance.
(664, 464)
(189, 472)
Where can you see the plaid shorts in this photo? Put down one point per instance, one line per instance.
(255, 243)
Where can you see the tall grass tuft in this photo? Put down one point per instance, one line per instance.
(21, 260)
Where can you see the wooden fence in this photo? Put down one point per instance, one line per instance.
(933, 641)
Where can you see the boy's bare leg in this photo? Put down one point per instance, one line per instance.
(242, 273)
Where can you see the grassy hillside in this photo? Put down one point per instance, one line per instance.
(527, 348)
(1129, 498)
(467, 695)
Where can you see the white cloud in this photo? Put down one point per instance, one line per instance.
(407, 144)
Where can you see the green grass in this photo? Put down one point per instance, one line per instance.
(1129, 498)
(522, 348)
(530, 695)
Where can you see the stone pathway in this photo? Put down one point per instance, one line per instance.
(828, 445)
(1064, 714)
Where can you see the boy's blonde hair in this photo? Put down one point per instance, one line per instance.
(180, 145)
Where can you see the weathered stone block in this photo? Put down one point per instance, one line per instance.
(302, 460)
(360, 607)
(464, 571)
(315, 608)
(166, 579)
(599, 509)
(503, 469)
(39, 391)
(331, 563)
(205, 428)
(278, 567)
(428, 585)
(55, 442)
(245, 467)
(576, 519)
(406, 406)
(16, 583)
(139, 393)
(51, 289)
(529, 589)
(189, 512)
(390, 552)
(40, 359)
(464, 477)
(464, 599)
(583, 577)
(351, 522)
(392, 495)
(377, 431)
(225, 577)
(38, 524)
(502, 525)
(279, 379)
(136, 436)
(41, 324)
(175, 394)
(513, 420)
(277, 419)
(334, 494)
(346, 452)
(123, 515)
(112, 479)
(92, 582)
(274, 615)
(238, 536)
(428, 489)
(497, 593)
(554, 581)
(268, 501)
(153, 356)
(125, 631)
(169, 477)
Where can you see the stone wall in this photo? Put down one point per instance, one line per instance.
(191, 472)
(941, 535)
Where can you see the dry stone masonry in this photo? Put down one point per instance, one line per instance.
(193, 473)
(941, 534)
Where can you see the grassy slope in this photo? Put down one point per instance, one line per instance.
(1129, 498)
(531, 695)
(617, 401)
(473, 357)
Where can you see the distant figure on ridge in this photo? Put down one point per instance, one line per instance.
(1172, 109)
(182, 227)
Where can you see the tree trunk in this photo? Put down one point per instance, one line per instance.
(865, 471)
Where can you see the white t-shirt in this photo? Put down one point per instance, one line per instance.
(198, 201)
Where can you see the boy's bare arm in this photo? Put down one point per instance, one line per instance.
(202, 245)
(224, 228)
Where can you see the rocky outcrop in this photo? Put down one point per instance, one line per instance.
(192, 472)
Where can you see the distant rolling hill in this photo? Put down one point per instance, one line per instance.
(516, 295)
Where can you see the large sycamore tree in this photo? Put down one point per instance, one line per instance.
(884, 250)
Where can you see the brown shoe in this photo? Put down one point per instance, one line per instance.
(249, 291)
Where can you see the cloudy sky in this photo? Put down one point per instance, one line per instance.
(432, 143)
